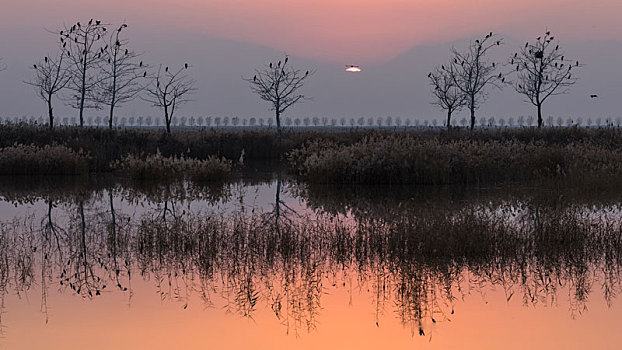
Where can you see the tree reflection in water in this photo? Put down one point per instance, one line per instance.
(413, 257)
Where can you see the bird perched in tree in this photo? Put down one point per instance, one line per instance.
(255, 78)
(186, 66)
(166, 69)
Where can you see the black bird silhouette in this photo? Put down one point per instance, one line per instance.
(526, 44)
(270, 64)
(46, 59)
(286, 58)
(145, 75)
(98, 22)
(307, 73)
(186, 66)
(538, 38)
(593, 96)
(35, 66)
(255, 78)
(140, 64)
(91, 21)
(166, 69)
(126, 51)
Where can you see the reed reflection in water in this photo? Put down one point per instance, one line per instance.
(414, 260)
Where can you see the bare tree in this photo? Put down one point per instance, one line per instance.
(123, 77)
(543, 71)
(278, 84)
(84, 53)
(51, 76)
(2, 66)
(473, 74)
(447, 94)
(169, 91)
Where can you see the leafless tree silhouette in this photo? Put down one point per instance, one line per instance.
(543, 71)
(473, 74)
(278, 84)
(51, 76)
(84, 52)
(447, 95)
(123, 76)
(169, 91)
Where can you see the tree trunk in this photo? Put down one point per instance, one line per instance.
(449, 111)
(111, 114)
(167, 120)
(50, 112)
(539, 115)
(278, 122)
(472, 108)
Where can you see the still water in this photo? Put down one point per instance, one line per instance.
(271, 264)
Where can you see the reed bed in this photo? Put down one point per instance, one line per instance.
(106, 146)
(404, 159)
(158, 167)
(48, 159)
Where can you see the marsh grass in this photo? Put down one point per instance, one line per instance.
(404, 159)
(158, 167)
(48, 159)
(106, 146)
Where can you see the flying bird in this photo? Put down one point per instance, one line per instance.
(593, 96)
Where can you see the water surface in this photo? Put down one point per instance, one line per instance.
(268, 263)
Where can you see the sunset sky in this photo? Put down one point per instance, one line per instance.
(225, 39)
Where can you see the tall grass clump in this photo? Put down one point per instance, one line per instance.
(400, 158)
(46, 160)
(158, 167)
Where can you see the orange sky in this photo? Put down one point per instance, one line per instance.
(368, 30)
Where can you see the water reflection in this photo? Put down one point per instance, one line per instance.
(414, 255)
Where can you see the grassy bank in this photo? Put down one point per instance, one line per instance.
(412, 156)
(404, 159)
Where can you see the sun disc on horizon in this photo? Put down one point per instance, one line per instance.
(353, 69)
